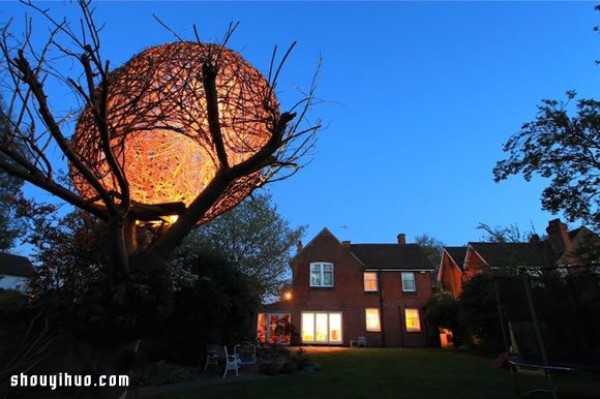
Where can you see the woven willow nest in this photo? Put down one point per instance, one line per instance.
(159, 131)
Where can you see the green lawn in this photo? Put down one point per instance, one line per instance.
(387, 373)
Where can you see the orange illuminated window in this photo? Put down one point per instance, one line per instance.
(370, 282)
(372, 320)
(274, 328)
(413, 322)
(322, 327)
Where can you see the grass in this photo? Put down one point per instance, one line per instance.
(388, 373)
(391, 373)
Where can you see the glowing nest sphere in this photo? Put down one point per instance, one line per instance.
(159, 130)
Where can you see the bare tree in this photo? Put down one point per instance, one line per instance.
(510, 233)
(191, 102)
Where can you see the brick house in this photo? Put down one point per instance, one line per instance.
(459, 264)
(342, 291)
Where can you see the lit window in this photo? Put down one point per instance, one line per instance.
(372, 319)
(321, 274)
(274, 328)
(370, 282)
(308, 327)
(322, 327)
(408, 282)
(413, 322)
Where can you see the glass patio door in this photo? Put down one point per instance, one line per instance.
(322, 327)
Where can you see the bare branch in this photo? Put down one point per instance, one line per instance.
(209, 75)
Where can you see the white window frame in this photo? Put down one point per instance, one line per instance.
(374, 275)
(412, 278)
(321, 270)
(375, 311)
(313, 315)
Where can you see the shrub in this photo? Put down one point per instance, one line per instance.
(479, 313)
(443, 311)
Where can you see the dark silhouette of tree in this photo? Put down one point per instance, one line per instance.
(562, 144)
(211, 98)
(564, 148)
(479, 313)
(510, 233)
(11, 227)
(432, 248)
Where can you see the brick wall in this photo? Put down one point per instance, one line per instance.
(348, 295)
(451, 278)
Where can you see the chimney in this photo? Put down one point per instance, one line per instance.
(346, 244)
(401, 239)
(559, 236)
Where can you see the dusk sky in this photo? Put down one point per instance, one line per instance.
(417, 99)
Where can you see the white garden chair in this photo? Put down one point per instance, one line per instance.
(213, 354)
(232, 362)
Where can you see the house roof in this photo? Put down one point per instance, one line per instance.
(14, 265)
(458, 255)
(573, 233)
(391, 256)
(515, 254)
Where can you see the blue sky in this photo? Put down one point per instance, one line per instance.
(418, 99)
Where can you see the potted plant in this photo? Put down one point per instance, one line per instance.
(272, 360)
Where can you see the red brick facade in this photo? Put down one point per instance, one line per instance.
(460, 264)
(347, 296)
(450, 275)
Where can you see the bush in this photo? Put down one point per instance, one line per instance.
(443, 311)
(161, 374)
(479, 313)
(12, 301)
(219, 308)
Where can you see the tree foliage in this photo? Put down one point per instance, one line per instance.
(443, 311)
(10, 226)
(253, 238)
(479, 313)
(432, 248)
(217, 306)
(10, 193)
(69, 249)
(562, 145)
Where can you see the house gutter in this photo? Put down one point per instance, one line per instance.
(381, 317)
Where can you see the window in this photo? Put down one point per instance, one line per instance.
(321, 274)
(408, 282)
(274, 328)
(372, 320)
(370, 282)
(322, 327)
(413, 322)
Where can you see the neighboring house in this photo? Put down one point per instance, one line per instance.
(450, 272)
(459, 264)
(343, 291)
(15, 272)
